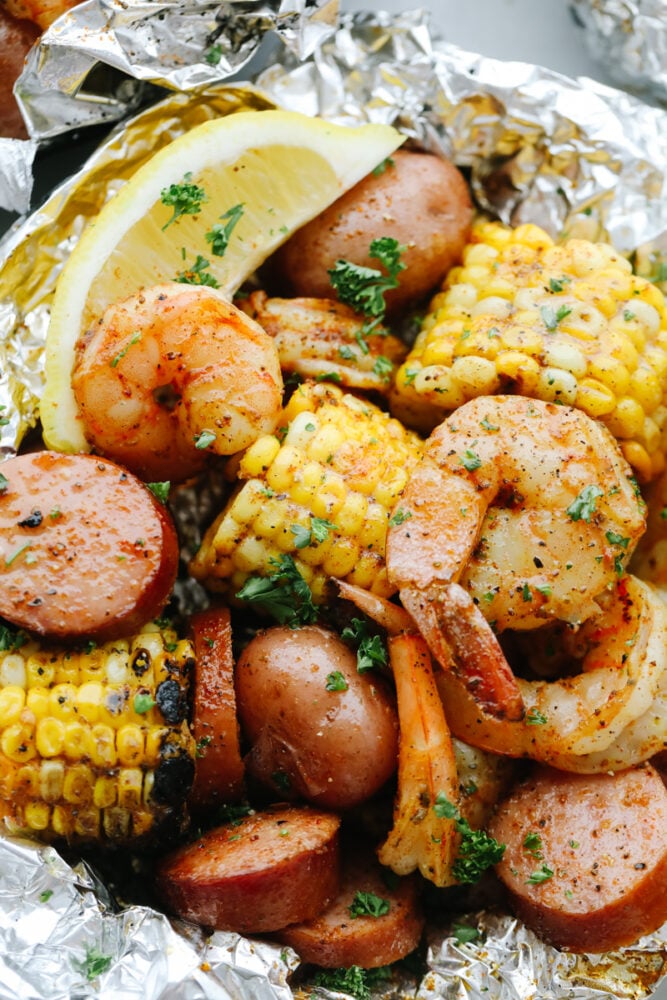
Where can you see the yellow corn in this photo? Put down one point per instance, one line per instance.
(95, 745)
(567, 323)
(339, 465)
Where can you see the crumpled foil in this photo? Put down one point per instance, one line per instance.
(575, 157)
(628, 38)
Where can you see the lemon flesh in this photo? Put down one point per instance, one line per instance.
(284, 168)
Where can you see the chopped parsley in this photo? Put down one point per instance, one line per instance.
(184, 199)
(202, 745)
(336, 682)
(470, 460)
(160, 490)
(540, 875)
(371, 650)
(143, 702)
(233, 814)
(582, 507)
(558, 284)
(204, 439)
(134, 339)
(284, 594)
(320, 528)
(382, 166)
(45, 896)
(533, 844)
(354, 981)
(302, 536)
(363, 288)
(4, 483)
(346, 352)
(477, 850)
(383, 368)
(614, 539)
(552, 318)
(534, 717)
(400, 517)
(213, 54)
(10, 639)
(328, 377)
(197, 274)
(218, 235)
(94, 964)
(367, 904)
(464, 933)
(487, 425)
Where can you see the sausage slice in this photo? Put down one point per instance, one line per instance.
(85, 547)
(339, 938)
(586, 857)
(271, 869)
(219, 767)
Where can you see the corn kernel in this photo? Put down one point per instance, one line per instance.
(87, 823)
(103, 745)
(480, 254)
(459, 299)
(637, 456)
(50, 737)
(105, 792)
(438, 351)
(611, 372)
(89, 699)
(247, 505)
(351, 514)
(51, 778)
(130, 745)
(532, 236)
(117, 823)
(286, 465)
(491, 306)
(130, 781)
(595, 399)
(12, 701)
(13, 670)
(373, 534)
(259, 457)
(523, 371)
(62, 700)
(37, 815)
(78, 784)
(77, 741)
(627, 420)
(40, 669)
(561, 354)
(342, 558)
(553, 385)
(16, 743)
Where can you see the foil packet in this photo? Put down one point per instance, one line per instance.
(628, 38)
(574, 156)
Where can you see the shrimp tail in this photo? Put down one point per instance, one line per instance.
(462, 641)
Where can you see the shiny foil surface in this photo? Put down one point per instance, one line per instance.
(575, 157)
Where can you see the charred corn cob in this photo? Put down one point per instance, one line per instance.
(94, 745)
(321, 490)
(565, 323)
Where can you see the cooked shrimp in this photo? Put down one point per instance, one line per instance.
(174, 372)
(528, 505)
(317, 337)
(609, 715)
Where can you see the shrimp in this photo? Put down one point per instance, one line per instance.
(522, 514)
(172, 373)
(42, 12)
(610, 715)
(317, 337)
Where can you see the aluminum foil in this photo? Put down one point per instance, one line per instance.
(628, 38)
(575, 157)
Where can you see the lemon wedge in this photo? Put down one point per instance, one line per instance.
(210, 207)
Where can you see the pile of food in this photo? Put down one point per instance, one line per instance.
(422, 579)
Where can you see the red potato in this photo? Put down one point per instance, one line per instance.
(334, 748)
(336, 938)
(271, 869)
(85, 548)
(604, 839)
(219, 768)
(419, 199)
(16, 39)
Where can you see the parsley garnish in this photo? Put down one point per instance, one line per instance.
(346, 352)
(204, 439)
(399, 517)
(353, 981)
(4, 483)
(185, 199)
(557, 284)
(143, 702)
(202, 745)
(470, 460)
(94, 964)
(383, 368)
(134, 339)
(615, 539)
(213, 54)
(534, 717)
(328, 377)
(464, 933)
(284, 594)
(218, 235)
(582, 507)
(382, 166)
(302, 536)
(363, 288)
(197, 274)
(487, 425)
(233, 814)
(542, 874)
(552, 318)
(371, 651)
(320, 528)
(160, 490)
(477, 850)
(45, 896)
(367, 904)
(9, 639)
(533, 844)
(336, 682)
(409, 375)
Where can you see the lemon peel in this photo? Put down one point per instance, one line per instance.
(283, 167)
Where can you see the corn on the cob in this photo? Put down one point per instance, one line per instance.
(95, 745)
(321, 490)
(565, 323)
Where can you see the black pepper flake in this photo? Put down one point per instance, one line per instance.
(33, 520)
